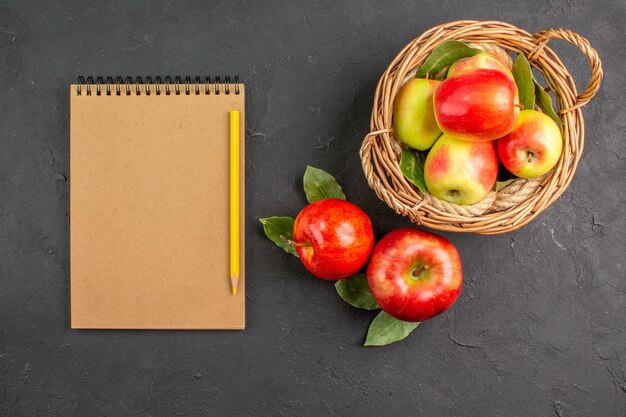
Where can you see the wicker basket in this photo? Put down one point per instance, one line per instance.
(516, 204)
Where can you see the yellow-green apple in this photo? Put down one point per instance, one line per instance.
(333, 238)
(478, 105)
(413, 116)
(483, 60)
(459, 171)
(414, 275)
(533, 147)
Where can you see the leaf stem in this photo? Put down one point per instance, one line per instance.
(294, 244)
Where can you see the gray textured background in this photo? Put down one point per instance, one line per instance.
(538, 331)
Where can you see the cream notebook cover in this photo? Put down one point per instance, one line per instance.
(149, 205)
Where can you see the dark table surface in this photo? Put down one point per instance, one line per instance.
(539, 329)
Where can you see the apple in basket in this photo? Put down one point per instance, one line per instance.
(333, 238)
(483, 60)
(414, 275)
(460, 171)
(478, 105)
(533, 147)
(414, 121)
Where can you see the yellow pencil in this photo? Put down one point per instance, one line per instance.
(234, 200)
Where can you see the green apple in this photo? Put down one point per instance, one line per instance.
(414, 121)
(483, 60)
(460, 171)
(533, 147)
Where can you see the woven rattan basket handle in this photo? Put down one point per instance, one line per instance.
(544, 36)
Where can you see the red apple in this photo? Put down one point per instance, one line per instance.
(478, 105)
(533, 148)
(459, 171)
(482, 60)
(414, 275)
(333, 238)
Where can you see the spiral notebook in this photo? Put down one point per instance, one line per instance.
(149, 204)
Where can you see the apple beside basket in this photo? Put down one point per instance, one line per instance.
(521, 201)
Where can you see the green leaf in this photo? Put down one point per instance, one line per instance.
(447, 53)
(385, 330)
(524, 80)
(412, 167)
(319, 184)
(544, 102)
(275, 227)
(356, 292)
(501, 184)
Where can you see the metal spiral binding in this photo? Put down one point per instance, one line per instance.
(146, 86)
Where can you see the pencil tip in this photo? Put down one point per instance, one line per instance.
(234, 280)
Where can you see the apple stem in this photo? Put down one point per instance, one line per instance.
(519, 106)
(418, 271)
(292, 243)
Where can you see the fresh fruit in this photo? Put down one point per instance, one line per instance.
(413, 116)
(483, 60)
(533, 147)
(414, 275)
(459, 171)
(333, 238)
(478, 105)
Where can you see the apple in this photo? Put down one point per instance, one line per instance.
(414, 275)
(459, 171)
(333, 238)
(483, 60)
(479, 105)
(414, 121)
(533, 147)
